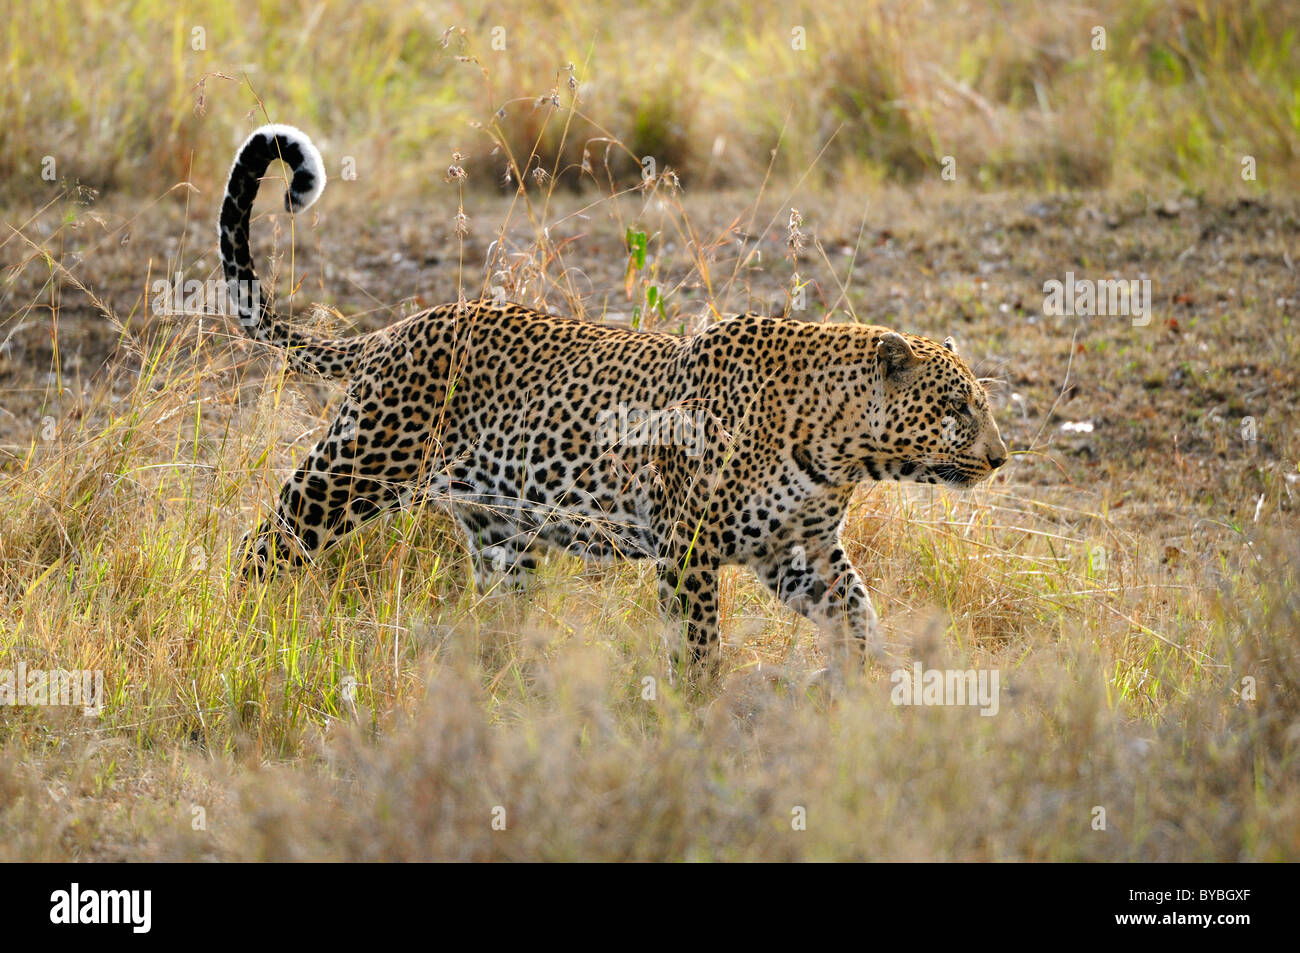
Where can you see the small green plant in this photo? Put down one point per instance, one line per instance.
(652, 301)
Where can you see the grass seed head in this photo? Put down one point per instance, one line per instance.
(794, 238)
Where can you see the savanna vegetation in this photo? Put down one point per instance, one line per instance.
(1131, 574)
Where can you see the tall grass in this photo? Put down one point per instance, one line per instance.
(142, 97)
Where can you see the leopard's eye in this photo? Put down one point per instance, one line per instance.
(960, 405)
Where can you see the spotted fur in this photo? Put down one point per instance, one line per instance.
(539, 432)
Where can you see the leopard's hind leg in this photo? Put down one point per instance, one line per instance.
(358, 470)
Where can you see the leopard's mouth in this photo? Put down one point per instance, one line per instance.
(955, 476)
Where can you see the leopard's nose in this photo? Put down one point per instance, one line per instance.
(997, 461)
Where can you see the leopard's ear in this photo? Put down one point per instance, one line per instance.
(950, 344)
(894, 353)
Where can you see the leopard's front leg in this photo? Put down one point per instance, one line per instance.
(816, 579)
(688, 599)
(688, 555)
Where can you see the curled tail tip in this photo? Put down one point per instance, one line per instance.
(296, 148)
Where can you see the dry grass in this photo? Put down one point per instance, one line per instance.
(1120, 684)
(136, 447)
(1014, 91)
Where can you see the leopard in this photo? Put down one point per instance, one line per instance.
(738, 444)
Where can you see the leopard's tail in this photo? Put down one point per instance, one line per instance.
(333, 358)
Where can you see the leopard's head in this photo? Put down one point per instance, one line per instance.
(929, 416)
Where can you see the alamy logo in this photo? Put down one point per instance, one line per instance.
(37, 686)
(636, 427)
(75, 905)
(1109, 297)
(948, 687)
(198, 297)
